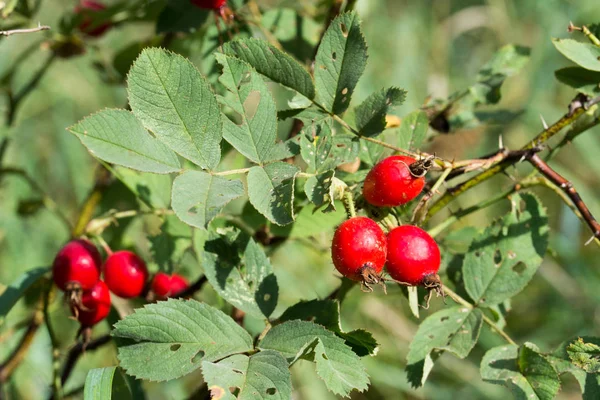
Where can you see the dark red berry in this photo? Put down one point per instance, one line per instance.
(391, 182)
(413, 256)
(125, 274)
(77, 266)
(358, 250)
(209, 4)
(95, 305)
(87, 8)
(164, 285)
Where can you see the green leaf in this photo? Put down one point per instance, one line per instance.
(340, 61)
(118, 137)
(105, 384)
(254, 131)
(507, 61)
(197, 197)
(323, 151)
(526, 372)
(246, 282)
(454, 329)
(585, 355)
(560, 359)
(171, 339)
(152, 189)
(585, 55)
(412, 130)
(17, 289)
(583, 80)
(174, 101)
(370, 114)
(272, 63)
(504, 258)
(338, 366)
(319, 189)
(311, 223)
(170, 243)
(264, 375)
(371, 153)
(271, 191)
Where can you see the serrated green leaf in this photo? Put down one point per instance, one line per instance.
(154, 190)
(504, 258)
(105, 384)
(585, 55)
(589, 383)
(169, 245)
(174, 101)
(319, 189)
(271, 191)
(324, 151)
(500, 366)
(581, 79)
(17, 289)
(585, 355)
(197, 197)
(224, 374)
(370, 114)
(539, 372)
(272, 63)
(310, 222)
(413, 130)
(171, 339)
(361, 342)
(118, 137)
(309, 116)
(338, 366)
(238, 269)
(254, 131)
(339, 63)
(454, 329)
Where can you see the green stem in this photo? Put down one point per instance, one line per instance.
(56, 379)
(232, 172)
(454, 296)
(348, 201)
(590, 36)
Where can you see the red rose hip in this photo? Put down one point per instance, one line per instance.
(209, 4)
(164, 285)
(95, 305)
(394, 181)
(77, 266)
(413, 256)
(87, 8)
(125, 274)
(359, 249)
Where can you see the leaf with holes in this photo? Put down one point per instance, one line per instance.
(240, 272)
(197, 197)
(174, 101)
(264, 375)
(338, 366)
(581, 79)
(272, 63)
(413, 130)
(171, 338)
(561, 360)
(504, 258)
(252, 130)
(118, 137)
(585, 355)
(370, 114)
(454, 329)
(526, 372)
(585, 55)
(319, 189)
(271, 191)
(339, 63)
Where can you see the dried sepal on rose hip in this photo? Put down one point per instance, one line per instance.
(359, 250)
(76, 268)
(94, 307)
(396, 180)
(125, 274)
(413, 258)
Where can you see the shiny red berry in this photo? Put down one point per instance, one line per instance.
(391, 182)
(125, 274)
(209, 4)
(77, 266)
(358, 250)
(87, 8)
(164, 285)
(95, 305)
(413, 256)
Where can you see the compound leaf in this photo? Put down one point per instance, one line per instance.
(271, 191)
(370, 114)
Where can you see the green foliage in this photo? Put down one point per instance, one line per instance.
(581, 79)
(105, 384)
(585, 355)
(413, 130)
(370, 114)
(271, 191)
(17, 289)
(586, 55)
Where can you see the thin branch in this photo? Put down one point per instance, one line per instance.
(76, 352)
(421, 208)
(567, 187)
(193, 288)
(28, 30)
(89, 207)
(56, 382)
(97, 225)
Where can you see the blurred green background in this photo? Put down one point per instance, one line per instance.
(428, 47)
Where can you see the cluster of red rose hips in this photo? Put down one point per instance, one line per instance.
(361, 249)
(77, 269)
